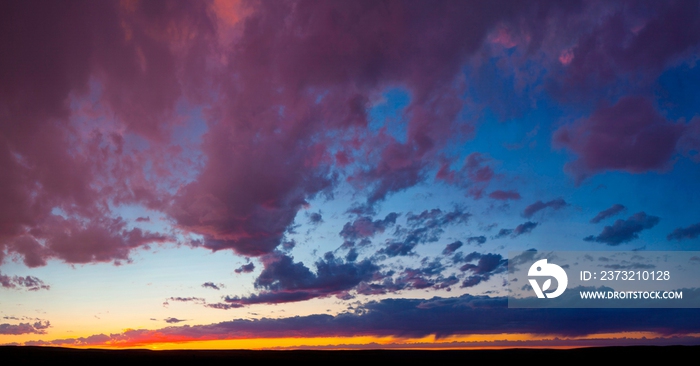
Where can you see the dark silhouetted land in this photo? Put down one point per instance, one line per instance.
(11, 355)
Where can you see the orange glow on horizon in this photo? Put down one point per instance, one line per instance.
(158, 341)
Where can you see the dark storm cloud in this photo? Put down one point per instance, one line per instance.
(623, 231)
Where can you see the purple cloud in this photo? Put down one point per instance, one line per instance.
(612, 211)
(555, 204)
(629, 136)
(486, 266)
(504, 195)
(246, 268)
(452, 247)
(30, 283)
(365, 228)
(690, 232)
(38, 327)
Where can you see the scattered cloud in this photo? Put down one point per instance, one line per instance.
(623, 231)
(690, 232)
(532, 209)
(612, 211)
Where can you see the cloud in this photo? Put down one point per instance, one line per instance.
(629, 136)
(425, 227)
(29, 283)
(486, 266)
(418, 318)
(524, 228)
(246, 268)
(173, 320)
(246, 197)
(504, 195)
(213, 286)
(364, 228)
(555, 204)
(478, 240)
(612, 211)
(623, 231)
(61, 155)
(187, 299)
(315, 218)
(38, 327)
(282, 280)
(521, 229)
(690, 232)
(474, 175)
(452, 247)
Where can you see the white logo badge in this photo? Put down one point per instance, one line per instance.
(543, 269)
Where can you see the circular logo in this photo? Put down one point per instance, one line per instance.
(543, 269)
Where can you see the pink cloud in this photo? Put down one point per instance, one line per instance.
(628, 136)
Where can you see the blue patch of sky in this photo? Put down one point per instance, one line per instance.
(389, 112)
(678, 92)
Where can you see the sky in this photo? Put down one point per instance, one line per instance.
(337, 174)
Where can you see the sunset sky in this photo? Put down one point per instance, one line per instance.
(337, 174)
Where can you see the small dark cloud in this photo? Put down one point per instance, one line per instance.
(315, 218)
(623, 231)
(143, 219)
(690, 232)
(486, 266)
(246, 268)
(173, 320)
(555, 204)
(612, 211)
(524, 228)
(212, 285)
(187, 299)
(505, 195)
(29, 283)
(521, 229)
(478, 240)
(223, 306)
(452, 247)
(288, 245)
(503, 233)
